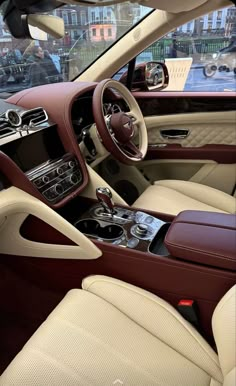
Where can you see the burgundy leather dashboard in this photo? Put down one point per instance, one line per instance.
(57, 99)
(204, 237)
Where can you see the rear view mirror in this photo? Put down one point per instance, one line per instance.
(41, 25)
(33, 26)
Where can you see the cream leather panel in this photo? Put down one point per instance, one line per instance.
(91, 338)
(174, 196)
(205, 128)
(158, 317)
(15, 206)
(224, 329)
(206, 172)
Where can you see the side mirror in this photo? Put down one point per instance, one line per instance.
(148, 76)
(156, 76)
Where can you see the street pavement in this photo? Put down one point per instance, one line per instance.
(221, 81)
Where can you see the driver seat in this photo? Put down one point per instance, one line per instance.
(174, 196)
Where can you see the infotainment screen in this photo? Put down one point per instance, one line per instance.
(34, 149)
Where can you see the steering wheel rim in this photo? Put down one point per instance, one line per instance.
(117, 138)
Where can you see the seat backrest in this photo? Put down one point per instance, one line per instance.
(224, 329)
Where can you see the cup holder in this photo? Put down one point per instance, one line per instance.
(110, 232)
(93, 228)
(89, 227)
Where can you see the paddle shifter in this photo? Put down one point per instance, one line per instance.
(104, 196)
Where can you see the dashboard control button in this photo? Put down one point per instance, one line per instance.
(72, 164)
(45, 179)
(73, 179)
(133, 242)
(38, 182)
(149, 220)
(60, 171)
(57, 189)
(142, 229)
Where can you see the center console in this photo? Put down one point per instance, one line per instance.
(201, 238)
(42, 158)
(56, 178)
(126, 228)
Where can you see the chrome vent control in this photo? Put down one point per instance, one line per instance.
(55, 179)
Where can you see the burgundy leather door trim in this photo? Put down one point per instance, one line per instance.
(224, 154)
(167, 103)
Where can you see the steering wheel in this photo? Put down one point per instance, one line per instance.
(117, 130)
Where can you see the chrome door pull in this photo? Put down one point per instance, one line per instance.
(174, 133)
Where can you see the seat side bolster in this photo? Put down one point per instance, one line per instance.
(202, 193)
(157, 317)
(224, 327)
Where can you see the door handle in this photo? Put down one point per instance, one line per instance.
(174, 133)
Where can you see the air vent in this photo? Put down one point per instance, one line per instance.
(5, 130)
(34, 117)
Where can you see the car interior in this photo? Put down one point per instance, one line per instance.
(118, 220)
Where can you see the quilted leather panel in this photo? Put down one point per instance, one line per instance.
(200, 135)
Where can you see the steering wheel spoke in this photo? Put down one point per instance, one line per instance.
(118, 129)
(132, 150)
(135, 119)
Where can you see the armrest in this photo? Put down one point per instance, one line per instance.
(204, 237)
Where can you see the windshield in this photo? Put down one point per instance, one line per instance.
(89, 31)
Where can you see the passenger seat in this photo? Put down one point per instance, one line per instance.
(113, 333)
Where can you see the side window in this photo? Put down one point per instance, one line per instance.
(200, 55)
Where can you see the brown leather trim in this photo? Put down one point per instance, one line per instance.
(183, 94)
(156, 104)
(37, 230)
(16, 177)
(208, 242)
(218, 220)
(170, 278)
(224, 154)
(57, 99)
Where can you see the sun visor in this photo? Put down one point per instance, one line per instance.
(174, 6)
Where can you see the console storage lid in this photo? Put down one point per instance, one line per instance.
(206, 238)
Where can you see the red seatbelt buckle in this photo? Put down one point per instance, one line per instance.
(188, 309)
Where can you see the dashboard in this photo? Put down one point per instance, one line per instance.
(39, 150)
(82, 111)
(31, 145)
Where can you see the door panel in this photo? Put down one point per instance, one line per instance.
(202, 129)
(196, 141)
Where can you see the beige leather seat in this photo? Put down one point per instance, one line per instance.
(174, 196)
(113, 333)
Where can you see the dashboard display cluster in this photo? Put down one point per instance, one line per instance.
(82, 112)
(34, 149)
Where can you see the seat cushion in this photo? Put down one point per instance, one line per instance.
(174, 196)
(112, 332)
(224, 328)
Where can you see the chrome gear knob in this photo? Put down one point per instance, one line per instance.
(104, 196)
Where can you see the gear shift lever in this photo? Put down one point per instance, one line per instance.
(104, 196)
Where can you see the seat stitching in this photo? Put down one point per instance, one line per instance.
(171, 312)
(120, 354)
(66, 369)
(108, 347)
